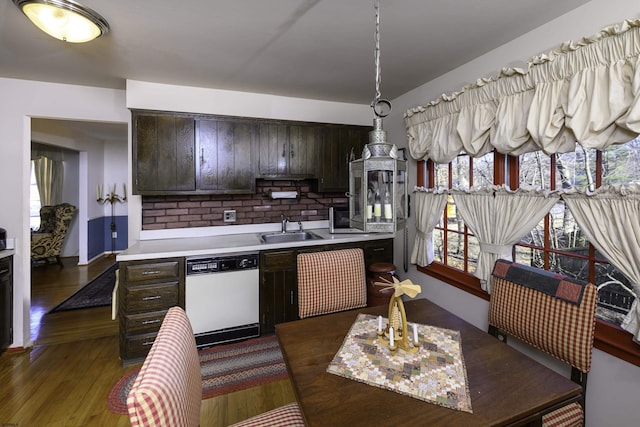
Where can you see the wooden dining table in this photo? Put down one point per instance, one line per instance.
(506, 387)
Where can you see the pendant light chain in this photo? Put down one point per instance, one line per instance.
(381, 107)
(377, 52)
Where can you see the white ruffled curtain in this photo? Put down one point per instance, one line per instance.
(610, 218)
(429, 207)
(587, 91)
(500, 218)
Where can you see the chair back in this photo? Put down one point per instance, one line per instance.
(168, 388)
(47, 219)
(64, 215)
(551, 312)
(331, 281)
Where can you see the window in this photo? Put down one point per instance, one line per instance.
(34, 201)
(454, 245)
(556, 243)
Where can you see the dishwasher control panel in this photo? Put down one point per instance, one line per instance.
(218, 264)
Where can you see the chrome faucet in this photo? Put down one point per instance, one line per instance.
(300, 225)
(284, 223)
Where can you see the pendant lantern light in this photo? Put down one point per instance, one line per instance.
(378, 199)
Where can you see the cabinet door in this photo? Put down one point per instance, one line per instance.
(278, 289)
(378, 251)
(273, 151)
(226, 156)
(288, 150)
(6, 302)
(304, 144)
(341, 144)
(163, 150)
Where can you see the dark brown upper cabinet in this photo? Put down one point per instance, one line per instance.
(163, 153)
(225, 156)
(288, 150)
(181, 153)
(340, 144)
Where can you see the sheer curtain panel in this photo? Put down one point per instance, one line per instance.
(610, 218)
(499, 218)
(49, 177)
(429, 207)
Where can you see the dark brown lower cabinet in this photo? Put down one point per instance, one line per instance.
(278, 282)
(146, 291)
(6, 302)
(279, 278)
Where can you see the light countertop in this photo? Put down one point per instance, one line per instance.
(7, 252)
(231, 243)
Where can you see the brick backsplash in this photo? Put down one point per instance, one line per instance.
(165, 212)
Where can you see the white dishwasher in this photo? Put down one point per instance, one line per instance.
(222, 297)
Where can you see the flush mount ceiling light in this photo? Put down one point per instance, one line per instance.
(65, 20)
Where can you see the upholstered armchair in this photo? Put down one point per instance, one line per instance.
(46, 243)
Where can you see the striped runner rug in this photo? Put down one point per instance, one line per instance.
(225, 369)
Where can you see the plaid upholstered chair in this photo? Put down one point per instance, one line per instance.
(168, 388)
(331, 281)
(47, 242)
(285, 416)
(552, 313)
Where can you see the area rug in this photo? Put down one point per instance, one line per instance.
(225, 369)
(96, 293)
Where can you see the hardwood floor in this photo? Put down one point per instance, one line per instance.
(64, 380)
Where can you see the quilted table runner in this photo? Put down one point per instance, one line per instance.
(436, 373)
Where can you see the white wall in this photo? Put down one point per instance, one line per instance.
(70, 194)
(613, 391)
(115, 167)
(20, 101)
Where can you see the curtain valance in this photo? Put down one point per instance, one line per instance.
(586, 92)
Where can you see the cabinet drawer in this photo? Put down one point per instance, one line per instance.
(136, 324)
(152, 271)
(148, 298)
(278, 260)
(138, 345)
(378, 251)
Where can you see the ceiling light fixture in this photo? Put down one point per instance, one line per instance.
(65, 20)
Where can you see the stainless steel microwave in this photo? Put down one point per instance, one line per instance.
(339, 221)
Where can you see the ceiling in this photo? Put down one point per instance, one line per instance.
(318, 49)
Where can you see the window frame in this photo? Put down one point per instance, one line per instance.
(609, 338)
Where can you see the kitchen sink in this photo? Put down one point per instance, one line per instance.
(298, 236)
